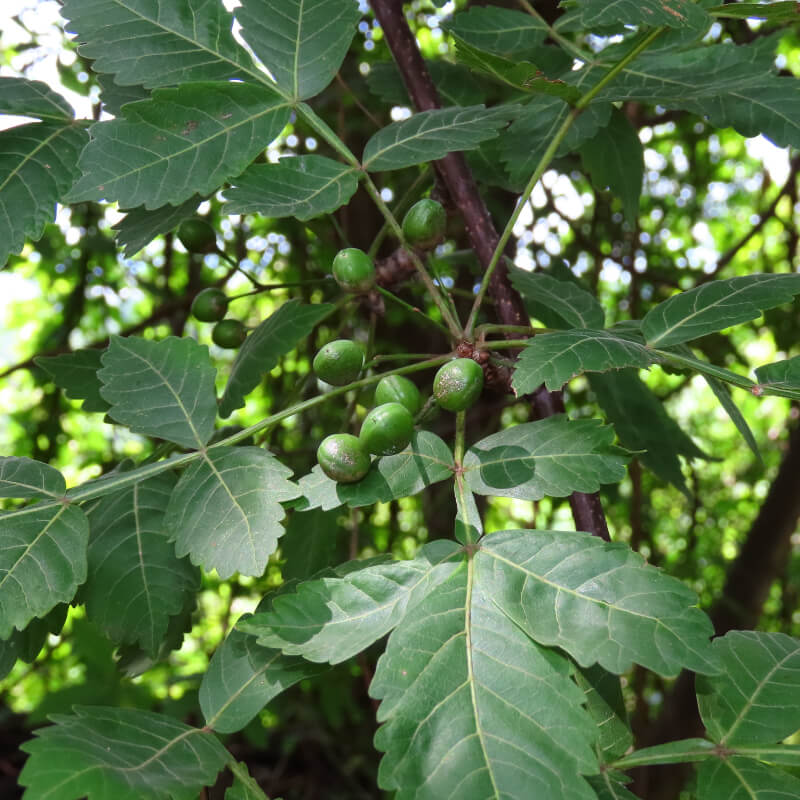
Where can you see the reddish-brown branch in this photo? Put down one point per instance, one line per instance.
(456, 176)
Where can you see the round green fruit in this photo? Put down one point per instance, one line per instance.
(229, 334)
(343, 458)
(353, 270)
(387, 429)
(397, 389)
(458, 384)
(339, 362)
(197, 236)
(210, 305)
(424, 224)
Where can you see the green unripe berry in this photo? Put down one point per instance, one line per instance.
(458, 384)
(339, 362)
(397, 389)
(229, 334)
(210, 305)
(387, 429)
(343, 458)
(424, 224)
(197, 236)
(353, 270)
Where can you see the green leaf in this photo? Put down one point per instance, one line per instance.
(643, 425)
(113, 96)
(26, 98)
(521, 75)
(42, 561)
(157, 42)
(135, 582)
(244, 787)
(26, 645)
(555, 358)
(310, 543)
(716, 305)
(473, 708)
(183, 142)
(737, 778)
(38, 165)
(163, 389)
(503, 31)
(614, 158)
(273, 338)
(76, 374)
(104, 753)
(786, 754)
(723, 394)
(302, 42)
(780, 378)
(243, 677)
(425, 461)
(303, 187)
(24, 477)
(550, 457)
(610, 785)
(756, 698)
(596, 600)
(650, 13)
(226, 510)
(525, 142)
(430, 135)
(606, 706)
(139, 226)
(332, 619)
(454, 83)
(781, 11)
(559, 304)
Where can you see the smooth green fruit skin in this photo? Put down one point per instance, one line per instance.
(387, 429)
(424, 224)
(339, 362)
(353, 270)
(228, 334)
(397, 389)
(343, 458)
(197, 236)
(210, 305)
(458, 384)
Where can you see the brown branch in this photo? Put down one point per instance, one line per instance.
(457, 178)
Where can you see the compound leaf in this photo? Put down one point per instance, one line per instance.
(596, 600)
(42, 561)
(332, 619)
(473, 708)
(739, 778)
(273, 338)
(38, 165)
(559, 304)
(503, 31)
(651, 13)
(24, 477)
(425, 461)
(301, 186)
(716, 305)
(157, 42)
(302, 42)
(243, 677)
(104, 753)
(163, 389)
(182, 142)
(430, 135)
(135, 581)
(27, 98)
(555, 358)
(756, 697)
(76, 374)
(226, 510)
(553, 456)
